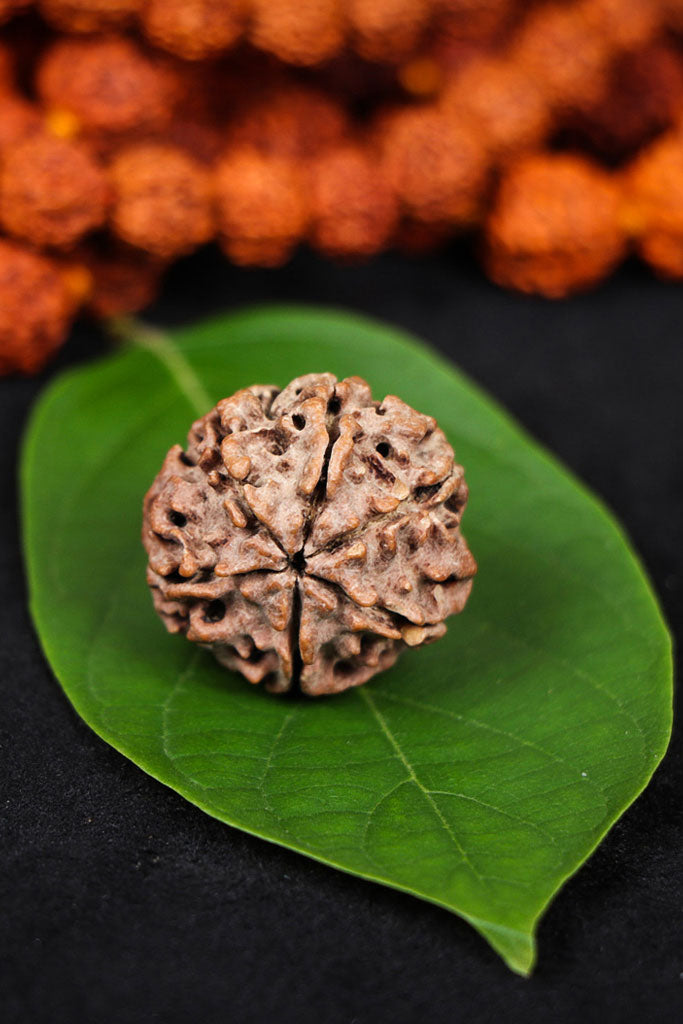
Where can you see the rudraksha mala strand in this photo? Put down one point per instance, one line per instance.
(151, 128)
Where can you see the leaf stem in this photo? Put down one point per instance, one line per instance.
(130, 331)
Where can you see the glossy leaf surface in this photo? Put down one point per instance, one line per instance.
(478, 773)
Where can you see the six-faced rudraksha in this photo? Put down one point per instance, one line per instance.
(308, 536)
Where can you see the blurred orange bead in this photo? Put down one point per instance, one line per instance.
(89, 15)
(110, 84)
(554, 228)
(51, 191)
(194, 29)
(303, 32)
(262, 207)
(354, 211)
(387, 30)
(162, 200)
(653, 204)
(503, 102)
(564, 53)
(34, 309)
(436, 166)
(289, 120)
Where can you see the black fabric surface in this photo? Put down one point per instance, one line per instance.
(123, 903)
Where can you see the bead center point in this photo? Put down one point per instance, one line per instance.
(298, 562)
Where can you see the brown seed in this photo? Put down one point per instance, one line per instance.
(336, 573)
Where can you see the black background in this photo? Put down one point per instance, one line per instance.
(123, 903)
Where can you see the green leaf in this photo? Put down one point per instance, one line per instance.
(478, 773)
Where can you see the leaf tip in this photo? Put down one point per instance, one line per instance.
(517, 948)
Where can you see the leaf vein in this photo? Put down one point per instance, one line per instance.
(384, 726)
